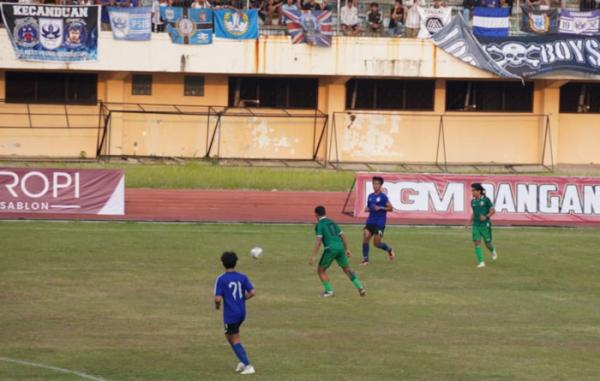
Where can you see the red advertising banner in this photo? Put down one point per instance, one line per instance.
(518, 200)
(57, 191)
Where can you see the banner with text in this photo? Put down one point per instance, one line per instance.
(60, 191)
(51, 32)
(132, 24)
(519, 200)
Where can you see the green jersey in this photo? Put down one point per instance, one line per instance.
(329, 232)
(481, 207)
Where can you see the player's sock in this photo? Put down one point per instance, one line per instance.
(240, 352)
(355, 280)
(327, 286)
(479, 254)
(366, 251)
(491, 248)
(384, 246)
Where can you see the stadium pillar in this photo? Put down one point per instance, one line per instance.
(115, 93)
(336, 96)
(549, 105)
(439, 105)
(2, 85)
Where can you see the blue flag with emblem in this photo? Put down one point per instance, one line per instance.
(239, 25)
(133, 24)
(189, 26)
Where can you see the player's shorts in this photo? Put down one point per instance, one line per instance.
(233, 328)
(374, 229)
(482, 231)
(330, 255)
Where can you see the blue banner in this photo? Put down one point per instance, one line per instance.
(520, 56)
(240, 25)
(133, 24)
(490, 22)
(52, 32)
(193, 26)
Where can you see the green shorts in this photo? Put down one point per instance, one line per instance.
(482, 231)
(329, 255)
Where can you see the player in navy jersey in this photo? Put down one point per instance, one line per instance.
(377, 205)
(233, 289)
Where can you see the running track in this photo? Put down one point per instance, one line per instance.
(216, 206)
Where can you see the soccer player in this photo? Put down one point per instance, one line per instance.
(481, 225)
(233, 289)
(378, 205)
(336, 249)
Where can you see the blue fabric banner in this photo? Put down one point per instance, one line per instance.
(522, 56)
(132, 24)
(490, 22)
(52, 32)
(191, 26)
(239, 25)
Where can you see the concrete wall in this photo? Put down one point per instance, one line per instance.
(382, 137)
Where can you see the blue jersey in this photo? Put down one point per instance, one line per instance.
(377, 218)
(232, 286)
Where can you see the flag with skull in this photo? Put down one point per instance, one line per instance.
(520, 56)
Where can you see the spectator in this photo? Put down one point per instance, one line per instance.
(413, 20)
(289, 5)
(374, 20)
(201, 4)
(158, 24)
(349, 19)
(489, 3)
(325, 6)
(272, 12)
(397, 17)
(468, 6)
(310, 5)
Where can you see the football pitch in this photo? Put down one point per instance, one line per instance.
(133, 301)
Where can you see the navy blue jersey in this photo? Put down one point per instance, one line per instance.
(377, 218)
(232, 286)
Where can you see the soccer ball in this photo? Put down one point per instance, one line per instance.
(256, 252)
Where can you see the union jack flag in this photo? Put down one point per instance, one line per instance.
(311, 27)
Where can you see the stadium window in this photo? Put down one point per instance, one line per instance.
(390, 94)
(193, 86)
(576, 97)
(51, 88)
(489, 96)
(141, 84)
(273, 92)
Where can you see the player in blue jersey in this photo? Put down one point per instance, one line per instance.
(378, 205)
(233, 289)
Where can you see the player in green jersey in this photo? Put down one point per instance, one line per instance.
(336, 249)
(481, 225)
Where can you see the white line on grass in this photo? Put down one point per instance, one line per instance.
(36, 365)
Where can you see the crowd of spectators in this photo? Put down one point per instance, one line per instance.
(402, 19)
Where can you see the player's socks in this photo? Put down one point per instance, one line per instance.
(355, 280)
(327, 286)
(479, 254)
(240, 352)
(384, 246)
(365, 251)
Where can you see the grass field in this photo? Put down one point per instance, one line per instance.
(133, 301)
